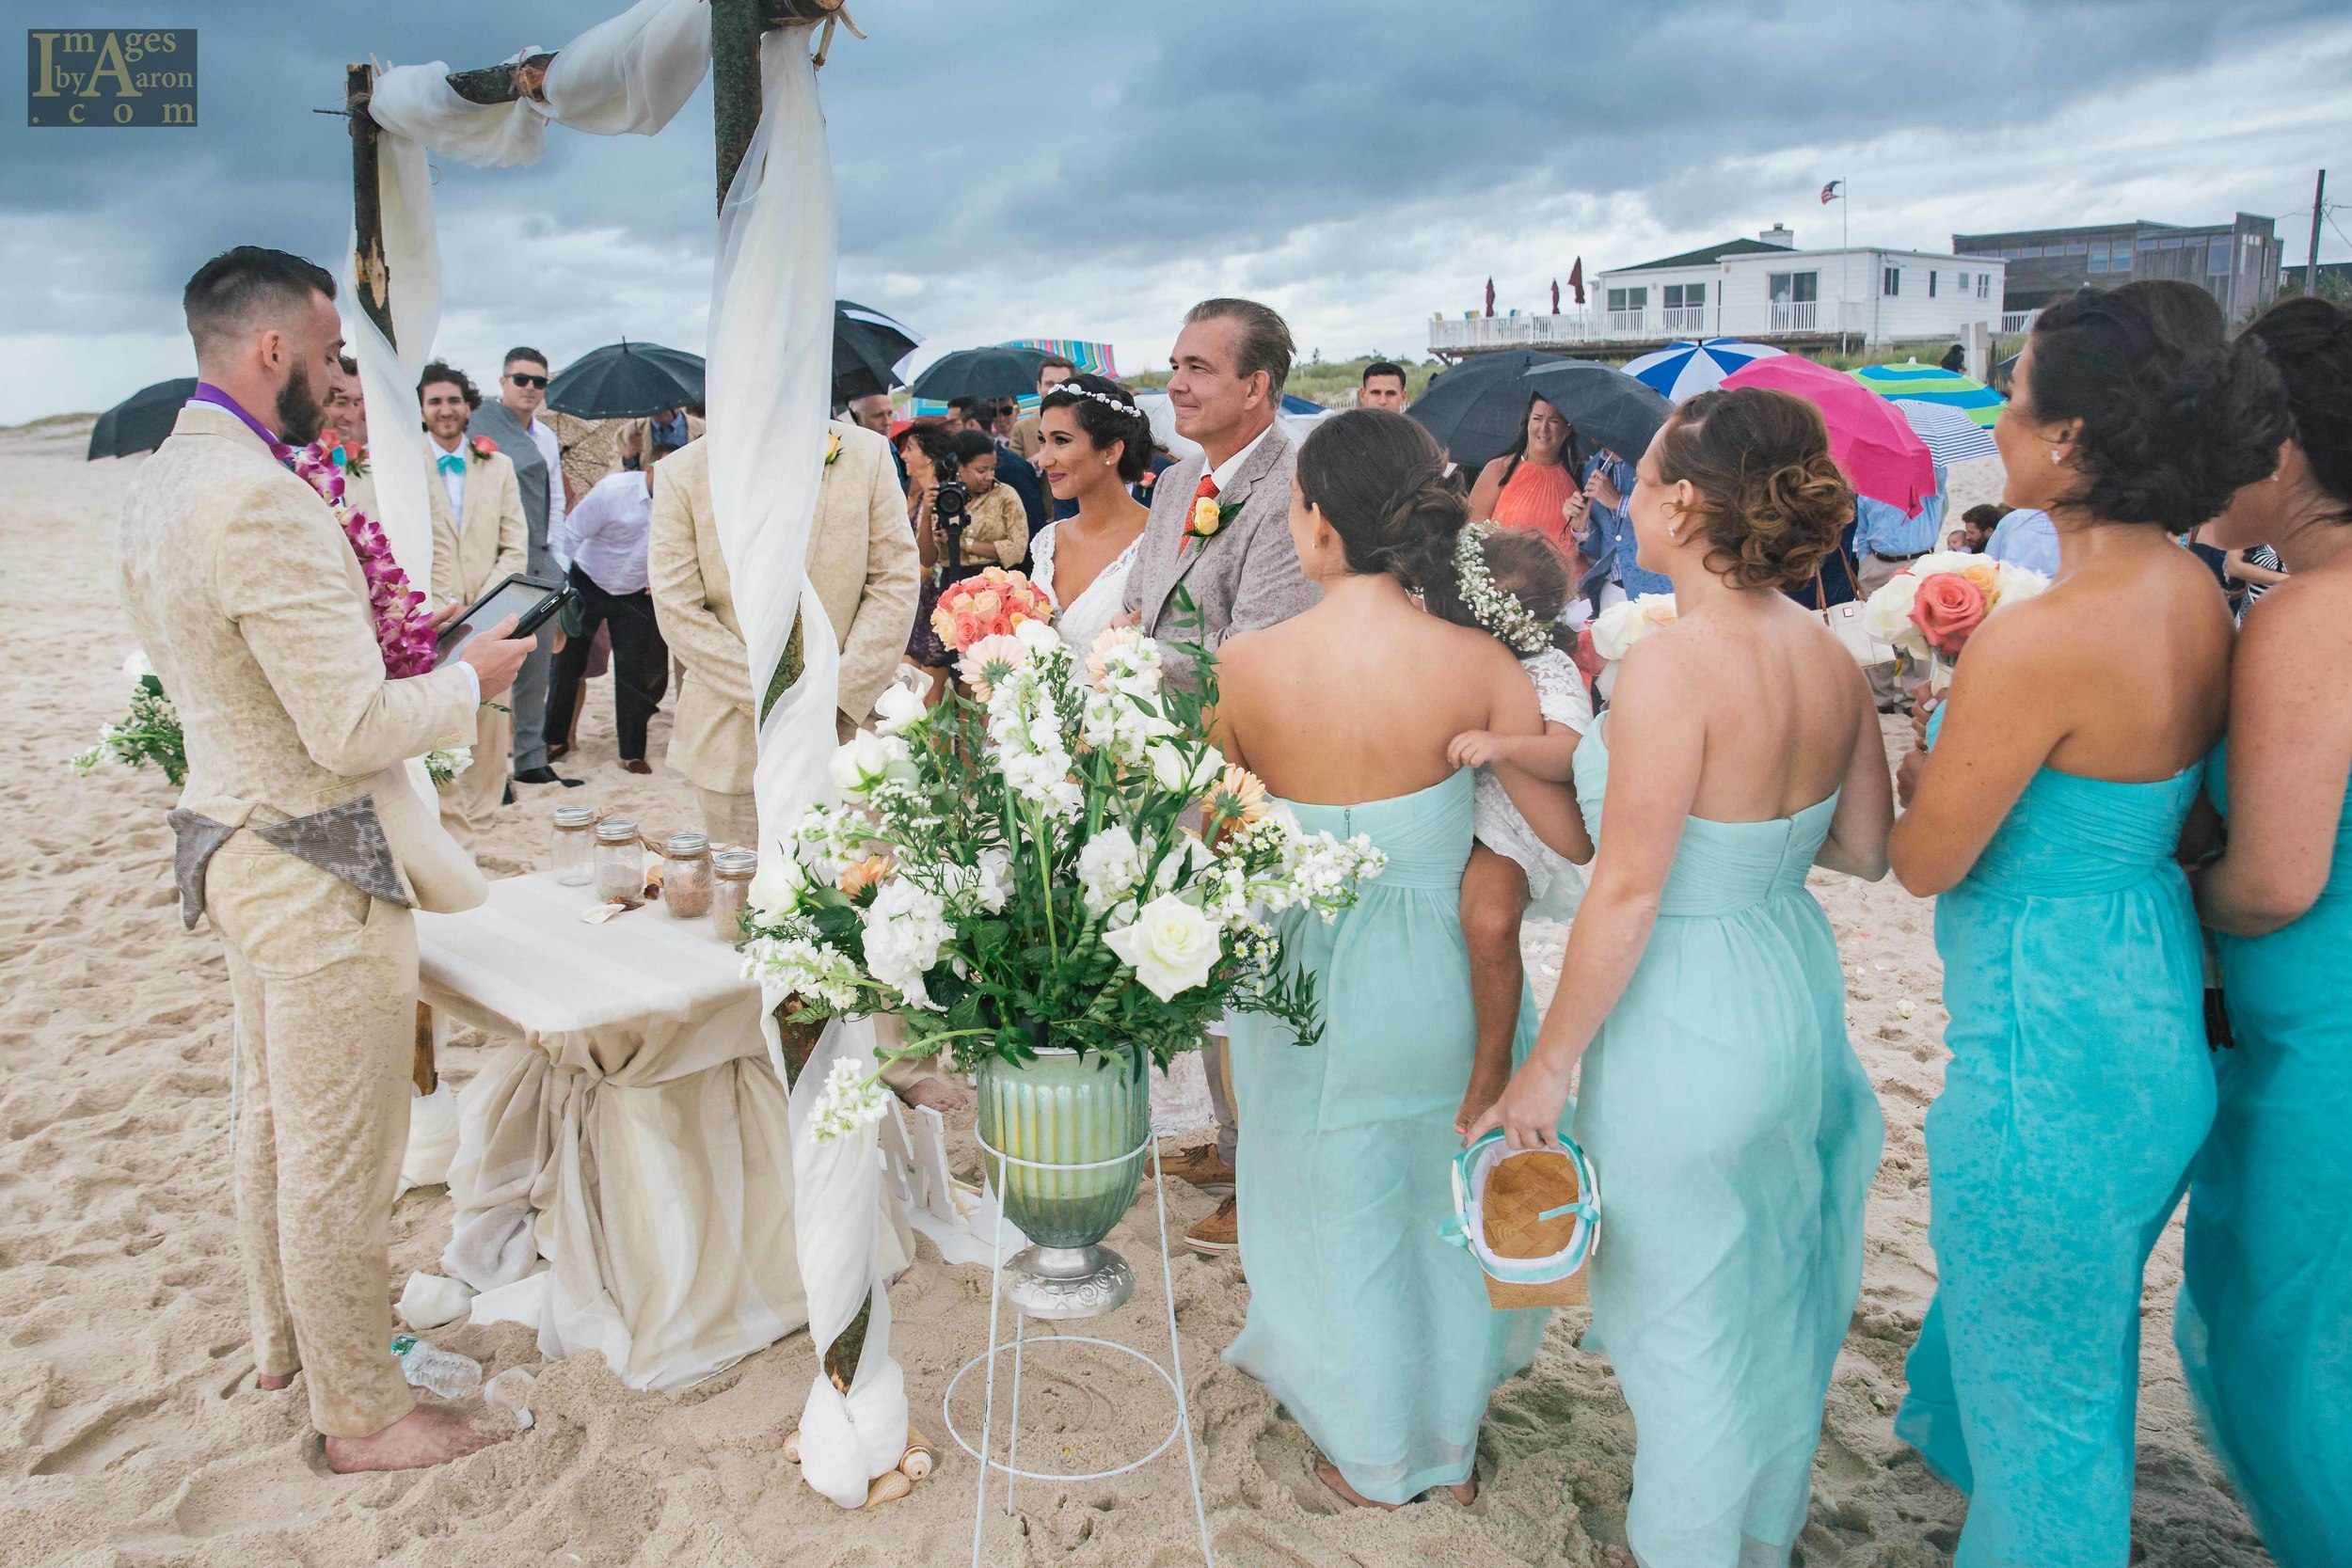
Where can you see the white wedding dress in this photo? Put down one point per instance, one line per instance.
(1180, 1097)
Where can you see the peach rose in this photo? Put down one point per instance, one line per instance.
(1946, 608)
(969, 629)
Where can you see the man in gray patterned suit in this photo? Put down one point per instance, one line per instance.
(512, 421)
(1226, 386)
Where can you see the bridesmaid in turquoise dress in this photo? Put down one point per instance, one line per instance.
(1732, 1129)
(2264, 1317)
(1373, 1333)
(2046, 818)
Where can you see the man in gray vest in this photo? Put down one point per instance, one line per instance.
(512, 422)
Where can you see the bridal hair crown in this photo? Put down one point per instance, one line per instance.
(1500, 612)
(1070, 390)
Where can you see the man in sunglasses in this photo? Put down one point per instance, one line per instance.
(512, 421)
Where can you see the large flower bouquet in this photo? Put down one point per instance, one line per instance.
(148, 735)
(1058, 859)
(1933, 606)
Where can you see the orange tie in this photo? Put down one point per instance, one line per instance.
(1205, 491)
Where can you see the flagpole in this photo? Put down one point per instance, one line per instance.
(1845, 255)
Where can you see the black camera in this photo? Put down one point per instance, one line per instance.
(951, 505)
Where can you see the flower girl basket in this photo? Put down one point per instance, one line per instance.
(1532, 1219)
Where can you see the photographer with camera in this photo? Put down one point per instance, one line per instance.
(964, 521)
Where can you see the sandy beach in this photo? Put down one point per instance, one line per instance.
(130, 1431)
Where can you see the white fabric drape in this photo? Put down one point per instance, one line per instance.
(769, 383)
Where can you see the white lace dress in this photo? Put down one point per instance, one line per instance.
(1555, 884)
(1180, 1097)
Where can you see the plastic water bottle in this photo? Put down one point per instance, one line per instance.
(440, 1372)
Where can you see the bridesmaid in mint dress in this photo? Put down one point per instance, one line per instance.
(2046, 818)
(2265, 1318)
(1373, 1333)
(1730, 1124)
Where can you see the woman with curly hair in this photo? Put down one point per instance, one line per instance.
(1727, 1114)
(2045, 820)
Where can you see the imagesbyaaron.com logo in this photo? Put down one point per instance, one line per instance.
(110, 76)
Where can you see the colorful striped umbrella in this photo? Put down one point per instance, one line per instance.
(1680, 372)
(1932, 384)
(1882, 456)
(1951, 435)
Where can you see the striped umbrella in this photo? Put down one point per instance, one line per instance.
(1680, 372)
(1951, 435)
(1932, 384)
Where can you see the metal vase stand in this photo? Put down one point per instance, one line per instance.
(1172, 1374)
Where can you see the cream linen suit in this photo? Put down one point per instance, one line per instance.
(246, 594)
(862, 564)
(492, 544)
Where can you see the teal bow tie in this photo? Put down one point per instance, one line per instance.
(453, 462)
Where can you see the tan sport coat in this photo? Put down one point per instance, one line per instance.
(495, 541)
(861, 561)
(1244, 576)
(246, 594)
(634, 435)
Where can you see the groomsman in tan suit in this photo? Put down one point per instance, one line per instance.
(480, 537)
(862, 564)
(299, 836)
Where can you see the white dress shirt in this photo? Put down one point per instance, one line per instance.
(605, 534)
(453, 483)
(1223, 473)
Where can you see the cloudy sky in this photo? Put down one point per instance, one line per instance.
(1089, 167)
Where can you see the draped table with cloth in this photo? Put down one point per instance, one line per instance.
(628, 1127)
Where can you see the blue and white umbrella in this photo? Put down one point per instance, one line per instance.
(1951, 435)
(1681, 372)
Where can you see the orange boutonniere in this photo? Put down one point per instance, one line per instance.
(483, 446)
(833, 448)
(1208, 519)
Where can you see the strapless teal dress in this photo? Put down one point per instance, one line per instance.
(1734, 1135)
(2264, 1319)
(1370, 1329)
(2077, 1093)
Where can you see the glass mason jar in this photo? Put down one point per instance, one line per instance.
(686, 875)
(620, 862)
(574, 857)
(731, 874)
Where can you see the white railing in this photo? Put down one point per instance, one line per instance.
(1458, 335)
(2016, 323)
(1796, 315)
(1627, 324)
(1691, 319)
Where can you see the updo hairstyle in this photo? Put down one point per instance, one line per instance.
(1379, 481)
(2175, 418)
(1771, 499)
(2309, 343)
(1104, 423)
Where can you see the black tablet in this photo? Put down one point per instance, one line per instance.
(530, 600)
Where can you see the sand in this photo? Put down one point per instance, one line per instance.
(130, 1431)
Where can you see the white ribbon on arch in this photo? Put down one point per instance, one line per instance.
(767, 393)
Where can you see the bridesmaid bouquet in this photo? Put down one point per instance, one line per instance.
(1061, 858)
(993, 603)
(1932, 606)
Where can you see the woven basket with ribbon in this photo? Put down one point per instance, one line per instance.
(1531, 1219)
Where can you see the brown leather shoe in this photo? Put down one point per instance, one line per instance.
(1219, 1235)
(635, 764)
(1202, 1165)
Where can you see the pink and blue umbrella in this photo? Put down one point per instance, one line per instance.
(1680, 372)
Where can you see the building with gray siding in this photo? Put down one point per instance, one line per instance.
(2238, 263)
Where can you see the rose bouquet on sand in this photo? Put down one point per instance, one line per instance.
(1932, 606)
(1061, 859)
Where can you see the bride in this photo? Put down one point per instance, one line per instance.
(1095, 443)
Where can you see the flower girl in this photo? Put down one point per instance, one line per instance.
(1512, 583)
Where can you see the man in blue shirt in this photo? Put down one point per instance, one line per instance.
(1884, 543)
(2026, 537)
(1607, 541)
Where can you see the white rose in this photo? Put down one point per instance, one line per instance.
(897, 710)
(1933, 561)
(2017, 583)
(1172, 946)
(137, 668)
(1886, 616)
(866, 759)
(776, 888)
(1168, 768)
(1621, 626)
(1037, 636)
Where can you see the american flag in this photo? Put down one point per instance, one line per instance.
(1830, 192)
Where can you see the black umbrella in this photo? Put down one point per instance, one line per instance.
(867, 349)
(140, 422)
(627, 381)
(1608, 407)
(981, 372)
(1478, 407)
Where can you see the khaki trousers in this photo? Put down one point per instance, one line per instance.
(324, 982)
(730, 818)
(1888, 681)
(470, 801)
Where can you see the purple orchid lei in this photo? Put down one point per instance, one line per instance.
(404, 632)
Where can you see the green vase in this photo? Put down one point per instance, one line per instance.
(1066, 1110)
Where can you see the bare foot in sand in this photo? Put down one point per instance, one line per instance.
(423, 1437)
(1330, 1475)
(269, 1383)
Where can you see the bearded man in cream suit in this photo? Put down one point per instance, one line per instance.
(480, 538)
(300, 835)
(862, 564)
